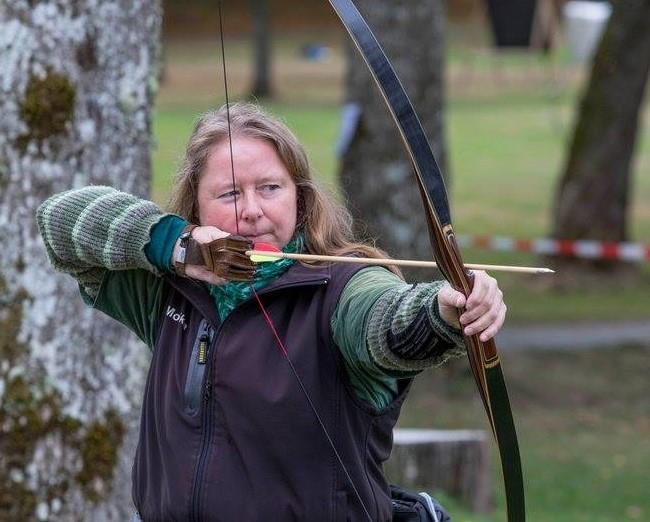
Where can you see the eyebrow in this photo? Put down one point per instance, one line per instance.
(271, 177)
(228, 185)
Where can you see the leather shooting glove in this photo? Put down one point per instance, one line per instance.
(225, 257)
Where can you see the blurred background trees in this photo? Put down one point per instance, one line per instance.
(594, 190)
(260, 17)
(375, 172)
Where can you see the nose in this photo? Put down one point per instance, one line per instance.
(251, 209)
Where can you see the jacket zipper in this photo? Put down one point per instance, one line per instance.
(196, 369)
(197, 486)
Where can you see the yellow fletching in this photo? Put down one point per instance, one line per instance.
(260, 258)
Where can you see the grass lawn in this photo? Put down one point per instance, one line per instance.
(583, 418)
(584, 430)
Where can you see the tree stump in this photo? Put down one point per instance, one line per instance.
(453, 461)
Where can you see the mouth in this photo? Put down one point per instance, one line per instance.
(266, 239)
(256, 237)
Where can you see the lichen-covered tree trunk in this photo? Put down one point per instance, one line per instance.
(594, 190)
(375, 172)
(76, 89)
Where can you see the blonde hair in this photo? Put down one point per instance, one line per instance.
(326, 224)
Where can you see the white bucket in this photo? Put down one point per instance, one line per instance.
(584, 23)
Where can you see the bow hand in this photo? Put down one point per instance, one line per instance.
(483, 312)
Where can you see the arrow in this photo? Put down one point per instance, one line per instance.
(261, 255)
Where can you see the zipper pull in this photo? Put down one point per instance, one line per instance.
(203, 348)
(207, 393)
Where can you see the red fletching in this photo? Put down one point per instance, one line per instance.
(266, 247)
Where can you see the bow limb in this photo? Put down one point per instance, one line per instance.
(483, 356)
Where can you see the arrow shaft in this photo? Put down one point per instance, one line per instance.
(394, 262)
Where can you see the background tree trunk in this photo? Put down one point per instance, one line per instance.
(261, 87)
(77, 87)
(375, 172)
(594, 190)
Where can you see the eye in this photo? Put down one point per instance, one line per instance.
(228, 195)
(270, 187)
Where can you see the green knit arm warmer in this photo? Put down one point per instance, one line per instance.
(389, 330)
(92, 230)
(405, 331)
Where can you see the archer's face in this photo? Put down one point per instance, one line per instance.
(264, 193)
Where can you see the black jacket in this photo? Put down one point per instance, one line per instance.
(226, 432)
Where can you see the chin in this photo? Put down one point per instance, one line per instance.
(265, 238)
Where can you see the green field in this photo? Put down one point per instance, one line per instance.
(584, 417)
(583, 422)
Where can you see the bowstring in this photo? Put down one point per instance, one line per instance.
(265, 314)
(225, 86)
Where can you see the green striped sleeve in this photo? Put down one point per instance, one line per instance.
(349, 323)
(94, 229)
(98, 235)
(388, 330)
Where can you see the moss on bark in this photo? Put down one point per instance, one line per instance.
(47, 108)
(4, 177)
(31, 411)
(87, 54)
(99, 453)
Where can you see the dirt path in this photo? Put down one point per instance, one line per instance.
(578, 336)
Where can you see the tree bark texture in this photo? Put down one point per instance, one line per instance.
(593, 195)
(261, 87)
(76, 90)
(375, 172)
(453, 461)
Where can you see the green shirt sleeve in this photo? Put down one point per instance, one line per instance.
(135, 298)
(388, 330)
(99, 236)
(164, 235)
(90, 231)
(349, 323)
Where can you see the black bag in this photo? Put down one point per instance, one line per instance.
(416, 507)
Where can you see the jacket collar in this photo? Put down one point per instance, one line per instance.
(197, 292)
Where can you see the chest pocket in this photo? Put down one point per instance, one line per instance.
(197, 367)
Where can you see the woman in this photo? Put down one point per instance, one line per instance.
(227, 432)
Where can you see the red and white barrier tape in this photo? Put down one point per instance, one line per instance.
(586, 249)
